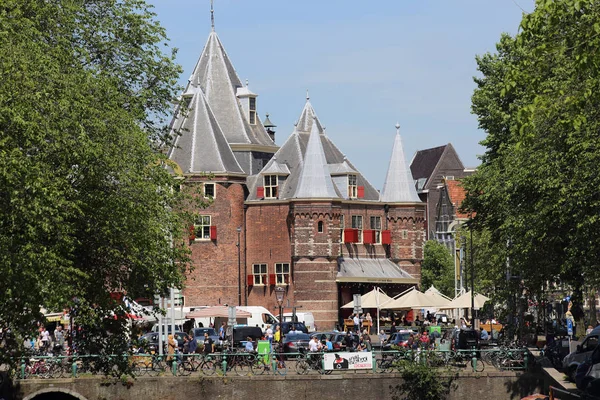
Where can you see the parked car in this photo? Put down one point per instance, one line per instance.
(462, 339)
(581, 354)
(588, 374)
(286, 326)
(151, 341)
(336, 338)
(294, 342)
(399, 339)
(241, 334)
(305, 317)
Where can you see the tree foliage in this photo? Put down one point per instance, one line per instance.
(437, 268)
(86, 203)
(536, 189)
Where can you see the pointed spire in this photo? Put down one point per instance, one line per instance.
(315, 179)
(399, 185)
(212, 16)
(308, 117)
(307, 96)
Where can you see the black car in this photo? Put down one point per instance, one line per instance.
(149, 341)
(287, 326)
(464, 338)
(397, 339)
(295, 342)
(241, 334)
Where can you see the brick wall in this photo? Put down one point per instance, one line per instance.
(407, 224)
(214, 279)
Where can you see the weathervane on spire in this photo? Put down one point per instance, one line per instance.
(397, 127)
(307, 96)
(212, 16)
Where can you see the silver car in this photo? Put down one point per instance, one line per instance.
(581, 354)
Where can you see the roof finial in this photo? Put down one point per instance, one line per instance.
(307, 96)
(397, 127)
(246, 82)
(212, 16)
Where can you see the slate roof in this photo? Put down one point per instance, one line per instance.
(201, 145)
(372, 270)
(293, 152)
(217, 78)
(315, 178)
(399, 186)
(424, 162)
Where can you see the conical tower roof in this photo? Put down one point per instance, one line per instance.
(201, 146)
(399, 186)
(315, 179)
(215, 75)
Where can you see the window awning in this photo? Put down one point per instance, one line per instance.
(372, 270)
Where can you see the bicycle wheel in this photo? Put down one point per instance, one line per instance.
(383, 365)
(242, 368)
(302, 367)
(56, 370)
(43, 371)
(208, 368)
(281, 368)
(185, 368)
(158, 367)
(479, 367)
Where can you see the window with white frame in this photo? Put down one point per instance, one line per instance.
(376, 226)
(282, 272)
(320, 226)
(252, 109)
(352, 188)
(270, 186)
(209, 190)
(357, 223)
(202, 227)
(260, 274)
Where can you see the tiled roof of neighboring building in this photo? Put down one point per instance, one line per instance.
(399, 186)
(457, 195)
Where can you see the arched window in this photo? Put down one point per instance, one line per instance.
(320, 227)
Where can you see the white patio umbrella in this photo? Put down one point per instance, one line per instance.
(374, 299)
(439, 299)
(409, 300)
(464, 301)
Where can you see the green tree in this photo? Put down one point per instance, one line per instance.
(86, 201)
(437, 268)
(536, 189)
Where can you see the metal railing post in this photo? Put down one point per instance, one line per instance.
(74, 368)
(474, 361)
(526, 359)
(374, 366)
(224, 364)
(22, 368)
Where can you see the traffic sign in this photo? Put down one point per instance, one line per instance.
(569, 327)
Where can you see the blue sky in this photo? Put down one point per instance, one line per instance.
(366, 64)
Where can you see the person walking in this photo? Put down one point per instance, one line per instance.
(369, 320)
(356, 321)
(171, 346)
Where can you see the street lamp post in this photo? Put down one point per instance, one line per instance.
(239, 231)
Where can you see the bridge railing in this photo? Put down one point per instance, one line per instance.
(250, 364)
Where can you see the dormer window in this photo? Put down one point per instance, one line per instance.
(352, 188)
(252, 110)
(270, 186)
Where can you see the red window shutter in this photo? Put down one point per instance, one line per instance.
(213, 232)
(260, 192)
(386, 237)
(272, 280)
(360, 192)
(348, 235)
(192, 232)
(250, 280)
(368, 236)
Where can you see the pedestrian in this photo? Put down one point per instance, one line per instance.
(222, 331)
(209, 345)
(45, 338)
(369, 320)
(589, 330)
(356, 321)
(193, 345)
(277, 336)
(328, 344)
(171, 346)
(393, 328)
(249, 347)
(381, 336)
(424, 340)
(59, 337)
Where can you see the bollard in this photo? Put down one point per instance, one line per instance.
(374, 366)
(474, 361)
(526, 359)
(224, 365)
(174, 366)
(274, 363)
(74, 368)
(22, 368)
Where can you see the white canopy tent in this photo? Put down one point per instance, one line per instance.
(409, 300)
(374, 299)
(464, 301)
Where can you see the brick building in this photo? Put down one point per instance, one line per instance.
(300, 216)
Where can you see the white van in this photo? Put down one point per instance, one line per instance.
(306, 317)
(261, 317)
